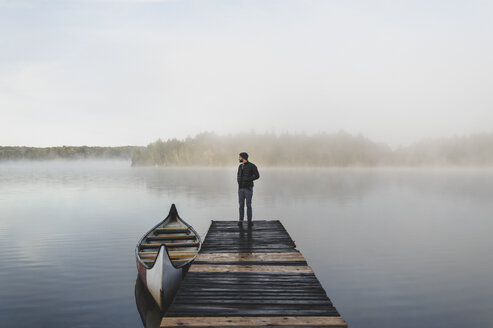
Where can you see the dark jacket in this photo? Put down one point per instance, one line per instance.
(246, 174)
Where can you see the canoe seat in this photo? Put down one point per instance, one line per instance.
(170, 245)
(150, 261)
(170, 230)
(177, 260)
(172, 237)
(183, 244)
(172, 254)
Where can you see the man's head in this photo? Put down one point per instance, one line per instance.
(243, 158)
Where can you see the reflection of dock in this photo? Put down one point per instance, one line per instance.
(250, 277)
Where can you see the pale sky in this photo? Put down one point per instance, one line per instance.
(118, 72)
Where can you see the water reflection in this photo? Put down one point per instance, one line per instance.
(340, 185)
(246, 238)
(149, 311)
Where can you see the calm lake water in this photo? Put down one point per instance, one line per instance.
(392, 247)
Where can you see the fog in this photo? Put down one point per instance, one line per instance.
(114, 73)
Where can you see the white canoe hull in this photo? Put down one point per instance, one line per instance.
(162, 273)
(163, 279)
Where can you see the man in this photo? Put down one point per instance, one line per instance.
(247, 172)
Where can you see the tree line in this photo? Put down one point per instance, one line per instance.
(65, 152)
(318, 150)
(324, 149)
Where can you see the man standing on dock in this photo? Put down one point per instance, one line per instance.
(247, 172)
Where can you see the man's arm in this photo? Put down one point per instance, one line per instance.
(255, 174)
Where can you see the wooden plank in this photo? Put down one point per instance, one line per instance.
(299, 263)
(240, 257)
(255, 310)
(302, 321)
(253, 301)
(250, 268)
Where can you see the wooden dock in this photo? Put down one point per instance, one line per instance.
(250, 277)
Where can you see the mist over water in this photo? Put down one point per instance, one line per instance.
(392, 247)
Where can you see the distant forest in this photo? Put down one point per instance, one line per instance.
(66, 152)
(319, 150)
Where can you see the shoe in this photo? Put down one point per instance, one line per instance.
(240, 222)
(250, 223)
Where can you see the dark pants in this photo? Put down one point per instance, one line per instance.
(245, 194)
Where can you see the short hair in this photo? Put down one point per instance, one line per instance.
(244, 155)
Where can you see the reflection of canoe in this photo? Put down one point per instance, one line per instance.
(150, 313)
(164, 255)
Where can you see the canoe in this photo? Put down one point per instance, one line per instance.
(164, 254)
